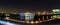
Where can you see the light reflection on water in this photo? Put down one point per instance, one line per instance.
(13, 23)
(6, 23)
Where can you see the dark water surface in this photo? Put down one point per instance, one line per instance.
(53, 22)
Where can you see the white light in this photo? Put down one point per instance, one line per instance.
(29, 16)
(55, 10)
(6, 23)
(6, 17)
(54, 16)
(7, 14)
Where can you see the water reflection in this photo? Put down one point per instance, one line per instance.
(56, 22)
(6, 23)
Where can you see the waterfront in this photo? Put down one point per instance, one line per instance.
(52, 22)
(28, 18)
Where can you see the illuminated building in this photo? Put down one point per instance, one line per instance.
(7, 14)
(22, 16)
(29, 16)
(26, 16)
(56, 13)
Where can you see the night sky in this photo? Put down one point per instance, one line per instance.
(29, 5)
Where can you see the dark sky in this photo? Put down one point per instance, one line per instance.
(33, 5)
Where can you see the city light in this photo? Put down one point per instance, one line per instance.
(44, 13)
(32, 22)
(27, 22)
(7, 14)
(28, 17)
(56, 10)
(36, 22)
(40, 21)
(38, 13)
(6, 17)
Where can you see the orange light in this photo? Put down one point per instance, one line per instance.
(44, 13)
(43, 18)
(40, 21)
(27, 21)
(47, 17)
(36, 22)
(31, 22)
(38, 13)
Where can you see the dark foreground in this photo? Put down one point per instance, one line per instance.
(52, 22)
